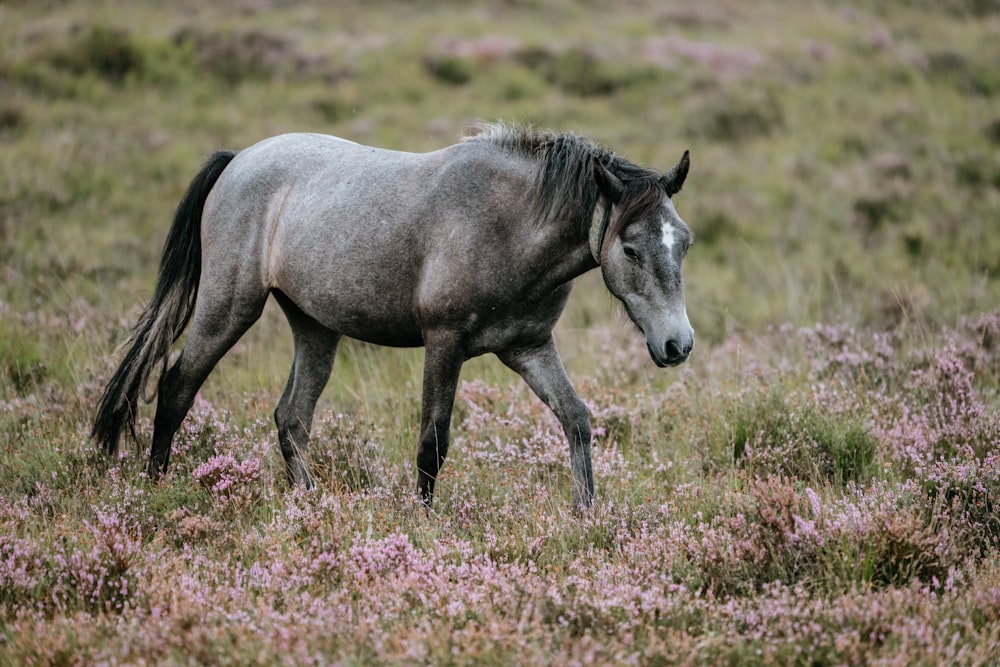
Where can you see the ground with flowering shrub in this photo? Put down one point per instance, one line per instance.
(798, 493)
(834, 504)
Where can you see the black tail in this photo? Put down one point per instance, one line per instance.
(166, 314)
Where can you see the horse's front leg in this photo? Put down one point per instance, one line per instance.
(443, 360)
(543, 370)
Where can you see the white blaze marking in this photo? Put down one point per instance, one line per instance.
(668, 235)
(668, 226)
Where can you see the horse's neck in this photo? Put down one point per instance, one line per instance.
(566, 248)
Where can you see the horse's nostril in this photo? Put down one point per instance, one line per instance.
(674, 350)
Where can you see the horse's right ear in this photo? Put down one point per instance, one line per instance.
(609, 184)
(673, 180)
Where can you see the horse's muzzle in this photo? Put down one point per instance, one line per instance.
(674, 353)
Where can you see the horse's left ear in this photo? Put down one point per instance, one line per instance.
(609, 184)
(673, 180)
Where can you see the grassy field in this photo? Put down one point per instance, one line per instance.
(818, 485)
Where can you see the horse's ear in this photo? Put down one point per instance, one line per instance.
(609, 184)
(673, 180)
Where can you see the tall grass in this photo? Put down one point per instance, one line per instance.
(817, 485)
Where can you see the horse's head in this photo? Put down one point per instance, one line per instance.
(640, 243)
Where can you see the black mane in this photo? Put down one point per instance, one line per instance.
(566, 186)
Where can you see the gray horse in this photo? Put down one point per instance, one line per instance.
(466, 250)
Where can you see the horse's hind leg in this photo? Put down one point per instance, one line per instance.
(315, 348)
(217, 324)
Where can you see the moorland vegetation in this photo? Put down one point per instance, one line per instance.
(818, 485)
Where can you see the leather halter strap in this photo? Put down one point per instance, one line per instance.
(598, 230)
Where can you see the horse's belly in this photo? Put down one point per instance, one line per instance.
(385, 333)
(360, 296)
(375, 324)
(509, 333)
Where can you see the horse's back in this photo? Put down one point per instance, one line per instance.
(374, 243)
(334, 225)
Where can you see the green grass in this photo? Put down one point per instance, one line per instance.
(844, 173)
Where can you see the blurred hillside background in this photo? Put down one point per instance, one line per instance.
(845, 155)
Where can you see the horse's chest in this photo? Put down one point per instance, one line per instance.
(510, 324)
(489, 304)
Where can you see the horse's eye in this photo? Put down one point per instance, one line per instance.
(630, 254)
